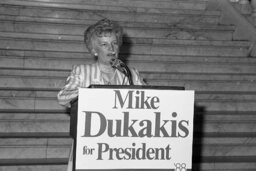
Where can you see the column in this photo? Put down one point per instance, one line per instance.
(245, 7)
(253, 3)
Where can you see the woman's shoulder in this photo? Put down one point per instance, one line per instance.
(134, 71)
(83, 66)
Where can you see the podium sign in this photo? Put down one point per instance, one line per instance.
(134, 129)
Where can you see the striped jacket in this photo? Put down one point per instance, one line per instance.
(88, 74)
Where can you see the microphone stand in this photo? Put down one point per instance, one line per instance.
(122, 67)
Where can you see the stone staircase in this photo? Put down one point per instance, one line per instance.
(175, 42)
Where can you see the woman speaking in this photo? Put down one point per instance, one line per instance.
(103, 41)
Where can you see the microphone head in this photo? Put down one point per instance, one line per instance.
(118, 64)
(115, 62)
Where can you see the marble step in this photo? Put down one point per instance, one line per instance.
(222, 96)
(128, 40)
(59, 148)
(131, 35)
(198, 76)
(75, 31)
(207, 85)
(141, 49)
(35, 167)
(166, 66)
(49, 82)
(144, 63)
(48, 150)
(60, 154)
(67, 141)
(136, 46)
(28, 58)
(22, 103)
(35, 124)
(14, 125)
(124, 17)
(63, 116)
(204, 166)
(146, 75)
(175, 16)
(65, 26)
(68, 11)
(120, 4)
(36, 94)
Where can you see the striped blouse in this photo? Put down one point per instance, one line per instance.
(88, 74)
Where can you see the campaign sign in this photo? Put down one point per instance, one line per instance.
(134, 129)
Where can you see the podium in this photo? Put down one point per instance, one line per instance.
(74, 103)
(136, 91)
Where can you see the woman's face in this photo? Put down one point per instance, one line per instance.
(106, 48)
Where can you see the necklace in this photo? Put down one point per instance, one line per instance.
(106, 68)
(107, 73)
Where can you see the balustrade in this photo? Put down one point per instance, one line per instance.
(247, 7)
(253, 4)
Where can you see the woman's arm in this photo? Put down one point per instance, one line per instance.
(137, 79)
(70, 90)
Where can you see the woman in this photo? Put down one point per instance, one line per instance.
(103, 41)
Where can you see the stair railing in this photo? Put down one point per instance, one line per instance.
(247, 7)
(245, 30)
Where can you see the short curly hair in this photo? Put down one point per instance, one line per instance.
(102, 28)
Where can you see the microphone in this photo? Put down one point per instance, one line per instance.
(122, 67)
